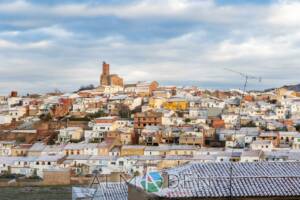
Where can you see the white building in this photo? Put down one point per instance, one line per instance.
(46, 162)
(296, 142)
(264, 145)
(5, 147)
(17, 112)
(295, 108)
(230, 120)
(251, 156)
(5, 119)
(105, 124)
(71, 133)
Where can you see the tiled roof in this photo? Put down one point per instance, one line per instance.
(77, 146)
(104, 191)
(249, 179)
(37, 147)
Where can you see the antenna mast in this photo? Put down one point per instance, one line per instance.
(238, 126)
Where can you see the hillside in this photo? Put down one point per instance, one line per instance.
(289, 87)
(293, 87)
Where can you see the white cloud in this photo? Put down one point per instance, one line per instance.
(16, 6)
(191, 10)
(55, 31)
(6, 45)
(246, 38)
(285, 13)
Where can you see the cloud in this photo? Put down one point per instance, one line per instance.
(186, 10)
(285, 13)
(4, 44)
(61, 45)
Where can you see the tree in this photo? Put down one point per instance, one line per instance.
(86, 87)
(249, 124)
(99, 113)
(124, 111)
(136, 173)
(297, 127)
(187, 120)
(45, 117)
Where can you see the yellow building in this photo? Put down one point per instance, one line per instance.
(20, 150)
(176, 104)
(107, 145)
(191, 138)
(126, 137)
(132, 150)
(172, 162)
(156, 102)
(285, 92)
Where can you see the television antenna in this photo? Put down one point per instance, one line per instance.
(247, 77)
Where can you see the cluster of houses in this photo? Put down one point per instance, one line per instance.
(127, 128)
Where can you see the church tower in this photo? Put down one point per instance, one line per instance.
(105, 76)
(107, 79)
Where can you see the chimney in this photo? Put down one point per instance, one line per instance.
(13, 94)
(165, 177)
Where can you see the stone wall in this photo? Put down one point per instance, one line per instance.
(57, 177)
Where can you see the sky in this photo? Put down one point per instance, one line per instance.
(61, 44)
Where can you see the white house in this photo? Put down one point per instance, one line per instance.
(281, 112)
(71, 133)
(46, 162)
(22, 165)
(230, 120)
(264, 145)
(296, 142)
(287, 138)
(295, 107)
(6, 147)
(17, 112)
(105, 124)
(251, 156)
(5, 119)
